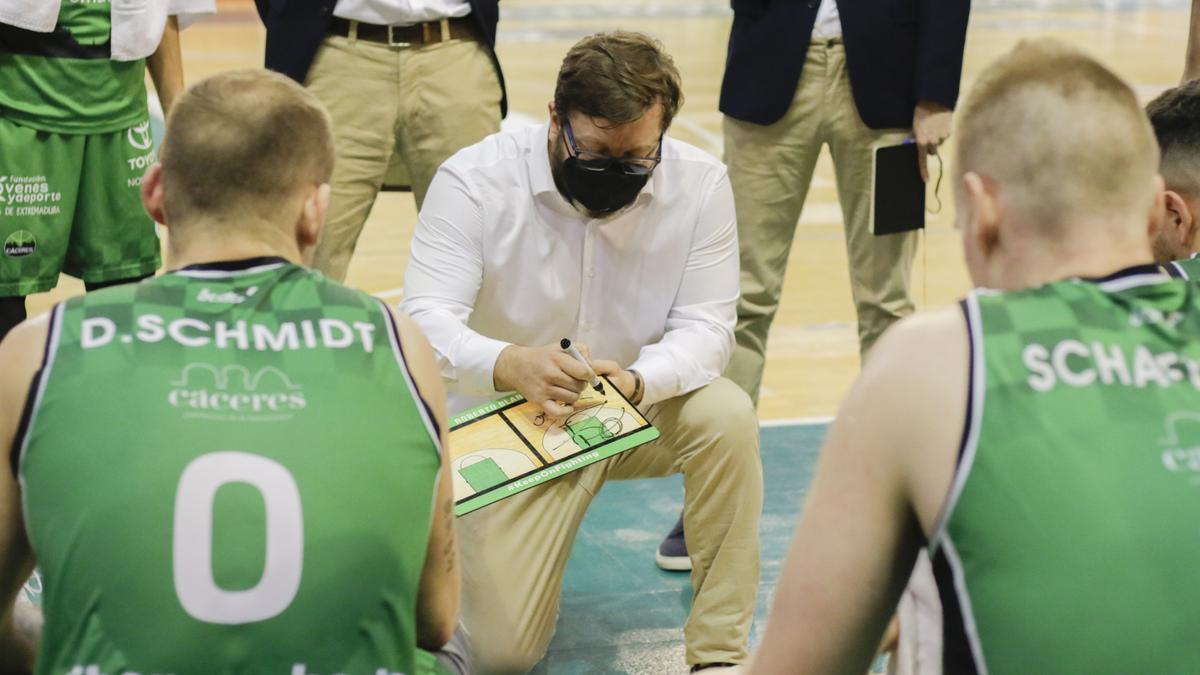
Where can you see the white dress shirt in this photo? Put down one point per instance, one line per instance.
(400, 12)
(500, 258)
(829, 24)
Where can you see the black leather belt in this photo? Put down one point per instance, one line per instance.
(416, 35)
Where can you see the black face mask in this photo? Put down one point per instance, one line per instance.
(602, 191)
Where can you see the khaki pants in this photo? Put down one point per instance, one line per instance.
(514, 552)
(422, 104)
(770, 168)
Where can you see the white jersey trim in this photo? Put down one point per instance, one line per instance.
(52, 340)
(970, 444)
(964, 605)
(398, 352)
(1126, 283)
(1180, 272)
(225, 274)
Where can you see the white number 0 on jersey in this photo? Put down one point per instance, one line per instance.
(192, 550)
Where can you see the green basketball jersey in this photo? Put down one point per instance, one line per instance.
(1069, 542)
(227, 469)
(1188, 268)
(64, 82)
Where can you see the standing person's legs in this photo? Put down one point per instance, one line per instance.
(39, 183)
(356, 80)
(770, 168)
(711, 436)
(450, 99)
(114, 241)
(879, 266)
(514, 553)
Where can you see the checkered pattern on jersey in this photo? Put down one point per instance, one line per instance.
(1076, 483)
(267, 301)
(1190, 267)
(1082, 311)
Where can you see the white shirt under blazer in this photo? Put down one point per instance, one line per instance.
(499, 257)
(400, 12)
(829, 23)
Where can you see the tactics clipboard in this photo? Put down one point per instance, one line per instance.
(510, 445)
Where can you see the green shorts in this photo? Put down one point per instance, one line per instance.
(71, 203)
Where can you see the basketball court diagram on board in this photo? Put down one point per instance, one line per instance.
(510, 445)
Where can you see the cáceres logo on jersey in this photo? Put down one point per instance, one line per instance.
(1180, 456)
(236, 393)
(20, 244)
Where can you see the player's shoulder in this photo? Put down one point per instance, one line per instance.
(921, 339)
(23, 351)
(337, 294)
(28, 338)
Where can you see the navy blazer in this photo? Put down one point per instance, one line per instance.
(295, 30)
(898, 52)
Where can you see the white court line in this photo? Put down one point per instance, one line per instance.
(390, 293)
(796, 422)
(715, 142)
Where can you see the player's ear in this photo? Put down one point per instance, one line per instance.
(312, 219)
(152, 193)
(984, 212)
(1178, 222)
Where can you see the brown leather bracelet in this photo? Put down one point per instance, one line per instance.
(638, 386)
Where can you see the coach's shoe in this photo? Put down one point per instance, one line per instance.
(672, 554)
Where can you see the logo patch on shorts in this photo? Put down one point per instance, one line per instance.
(20, 244)
(139, 136)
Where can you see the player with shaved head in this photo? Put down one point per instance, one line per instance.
(1038, 438)
(236, 466)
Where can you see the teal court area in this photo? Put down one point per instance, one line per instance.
(620, 613)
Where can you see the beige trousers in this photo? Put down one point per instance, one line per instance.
(514, 552)
(421, 104)
(770, 168)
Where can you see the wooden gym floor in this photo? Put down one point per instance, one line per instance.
(813, 351)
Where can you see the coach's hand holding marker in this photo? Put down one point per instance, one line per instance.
(546, 375)
(569, 348)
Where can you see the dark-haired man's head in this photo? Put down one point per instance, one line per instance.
(1175, 116)
(615, 97)
(246, 161)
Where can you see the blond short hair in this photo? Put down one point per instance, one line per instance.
(1061, 135)
(243, 142)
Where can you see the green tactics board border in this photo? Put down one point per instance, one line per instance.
(556, 469)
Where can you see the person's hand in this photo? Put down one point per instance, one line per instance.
(931, 128)
(622, 379)
(547, 376)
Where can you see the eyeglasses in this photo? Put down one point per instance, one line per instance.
(594, 161)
